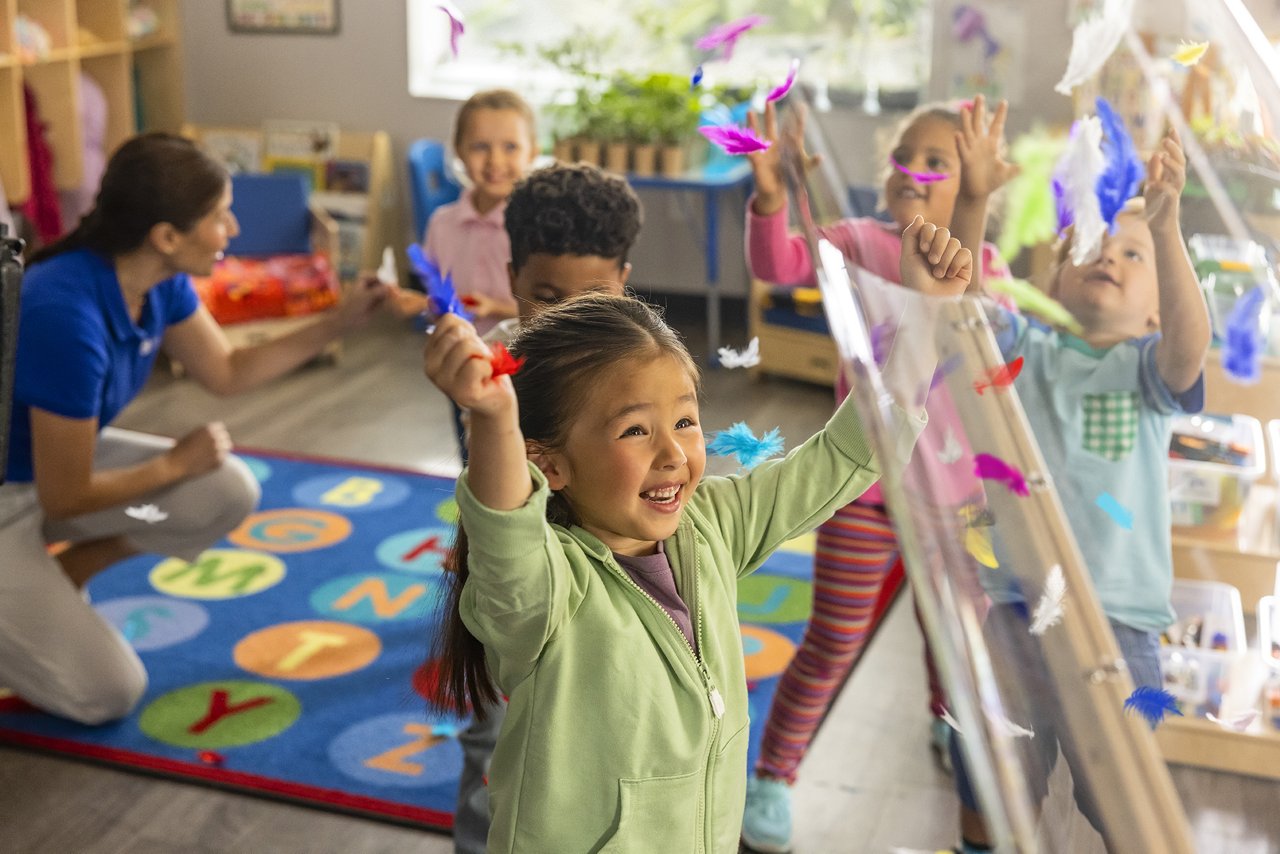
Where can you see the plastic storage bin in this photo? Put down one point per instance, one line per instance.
(1207, 494)
(1197, 653)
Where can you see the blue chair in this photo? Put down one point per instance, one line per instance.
(430, 180)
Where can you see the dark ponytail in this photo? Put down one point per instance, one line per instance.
(150, 179)
(567, 348)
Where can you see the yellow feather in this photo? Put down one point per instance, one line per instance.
(1189, 53)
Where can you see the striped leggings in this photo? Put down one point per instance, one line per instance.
(855, 551)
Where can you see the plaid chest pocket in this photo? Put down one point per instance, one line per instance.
(1111, 423)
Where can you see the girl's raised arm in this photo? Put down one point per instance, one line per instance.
(456, 360)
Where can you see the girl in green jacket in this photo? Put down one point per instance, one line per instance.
(595, 573)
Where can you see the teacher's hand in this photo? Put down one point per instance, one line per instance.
(202, 450)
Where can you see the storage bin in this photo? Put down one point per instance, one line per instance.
(1198, 651)
(1207, 492)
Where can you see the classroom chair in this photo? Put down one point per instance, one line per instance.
(430, 181)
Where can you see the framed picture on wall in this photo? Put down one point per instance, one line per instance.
(307, 17)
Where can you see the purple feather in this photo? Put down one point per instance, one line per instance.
(727, 35)
(733, 139)
(1065, 215)
(444, 299)
(990, 467)
(1242, 345)
(740, 441)
(1122, 175)
(882, 338)
(1152, 703)
(950, 364)
(782, 90)
(456, 29)
(921, 177)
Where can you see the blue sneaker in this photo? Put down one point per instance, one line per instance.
(940, 733)
(766, 823)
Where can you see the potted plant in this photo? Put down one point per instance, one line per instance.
(672, 114)
(613, 119)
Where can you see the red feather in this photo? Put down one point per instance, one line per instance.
(999, 377)
(502, 361)
(209, 757)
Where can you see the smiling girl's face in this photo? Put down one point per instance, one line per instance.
(927, 145)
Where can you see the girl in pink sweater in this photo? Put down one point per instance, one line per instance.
(958, 154)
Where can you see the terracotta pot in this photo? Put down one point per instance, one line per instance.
(589, 151)
(563, 150)
(615, 157)
(644, 159)
(673, 160)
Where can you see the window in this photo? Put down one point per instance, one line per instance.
(844, 45)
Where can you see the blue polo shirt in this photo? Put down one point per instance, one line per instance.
(80, 355)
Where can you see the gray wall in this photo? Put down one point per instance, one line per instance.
(359, 78)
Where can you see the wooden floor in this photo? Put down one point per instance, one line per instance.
(869, 784)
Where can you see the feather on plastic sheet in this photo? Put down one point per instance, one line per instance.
(1029, 213)
(1093, 41)
(695, 78)
(747, 358)
(778, 93)
(733, 139)
(1189, 53)
(1050, 608)
(1031, 300)
(1075, 184)
(1123, 172)
(920, 177)
(1119, 514)
(1001, 376)
(725, 36)
(1243, 343)
(739, 441)
(456, 26)
(990, 467)
(1152, 703)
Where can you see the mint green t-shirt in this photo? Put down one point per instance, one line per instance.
(1103, 420)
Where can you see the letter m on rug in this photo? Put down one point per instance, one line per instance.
(213, 571)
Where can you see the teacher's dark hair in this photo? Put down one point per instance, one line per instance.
(151, 178)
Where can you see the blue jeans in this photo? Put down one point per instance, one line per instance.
(1014, 647)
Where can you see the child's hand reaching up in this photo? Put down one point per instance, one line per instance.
(1166, 177)
(456, 360)
(766, 166)
(933, 262)
(983, 169)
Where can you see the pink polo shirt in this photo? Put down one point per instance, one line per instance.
(473, 248)
(775, 255)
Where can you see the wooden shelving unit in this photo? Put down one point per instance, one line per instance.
(142, 80)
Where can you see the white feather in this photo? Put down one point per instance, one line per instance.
(1236, 723)
(148, 513)
(951, 722)
(1094, 40)
(748, 358)
(1078, 170)
(1012, 730)
(951, 449)
(1049, 609)
(387, 269)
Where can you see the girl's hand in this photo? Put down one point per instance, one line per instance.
(766, 166)
(1166, 176)
(933, 262)
(456, 360)
(983, 169)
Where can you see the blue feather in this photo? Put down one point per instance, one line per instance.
(1122, 175)
(444, 299)
(1242, 346)
(740, 441)
(1152, 703)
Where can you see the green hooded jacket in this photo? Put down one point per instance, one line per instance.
(618, 738)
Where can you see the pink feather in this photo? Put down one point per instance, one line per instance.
(921, 177)
(728, 34)
(733, 139)
(782, 90)
(456, 29)
(989, 467)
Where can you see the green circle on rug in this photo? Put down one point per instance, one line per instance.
(772, 599)
(447, 511)
(220, 714)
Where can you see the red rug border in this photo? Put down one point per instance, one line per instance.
(238, 781)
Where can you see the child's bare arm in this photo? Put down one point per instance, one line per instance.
(933, 262)
(1184, 320)
(983, 170)
(456, 360)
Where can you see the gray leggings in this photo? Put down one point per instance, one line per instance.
(55, 651)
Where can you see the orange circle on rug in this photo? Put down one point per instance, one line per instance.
(291, 530)
(308, 649)
(765, 653)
